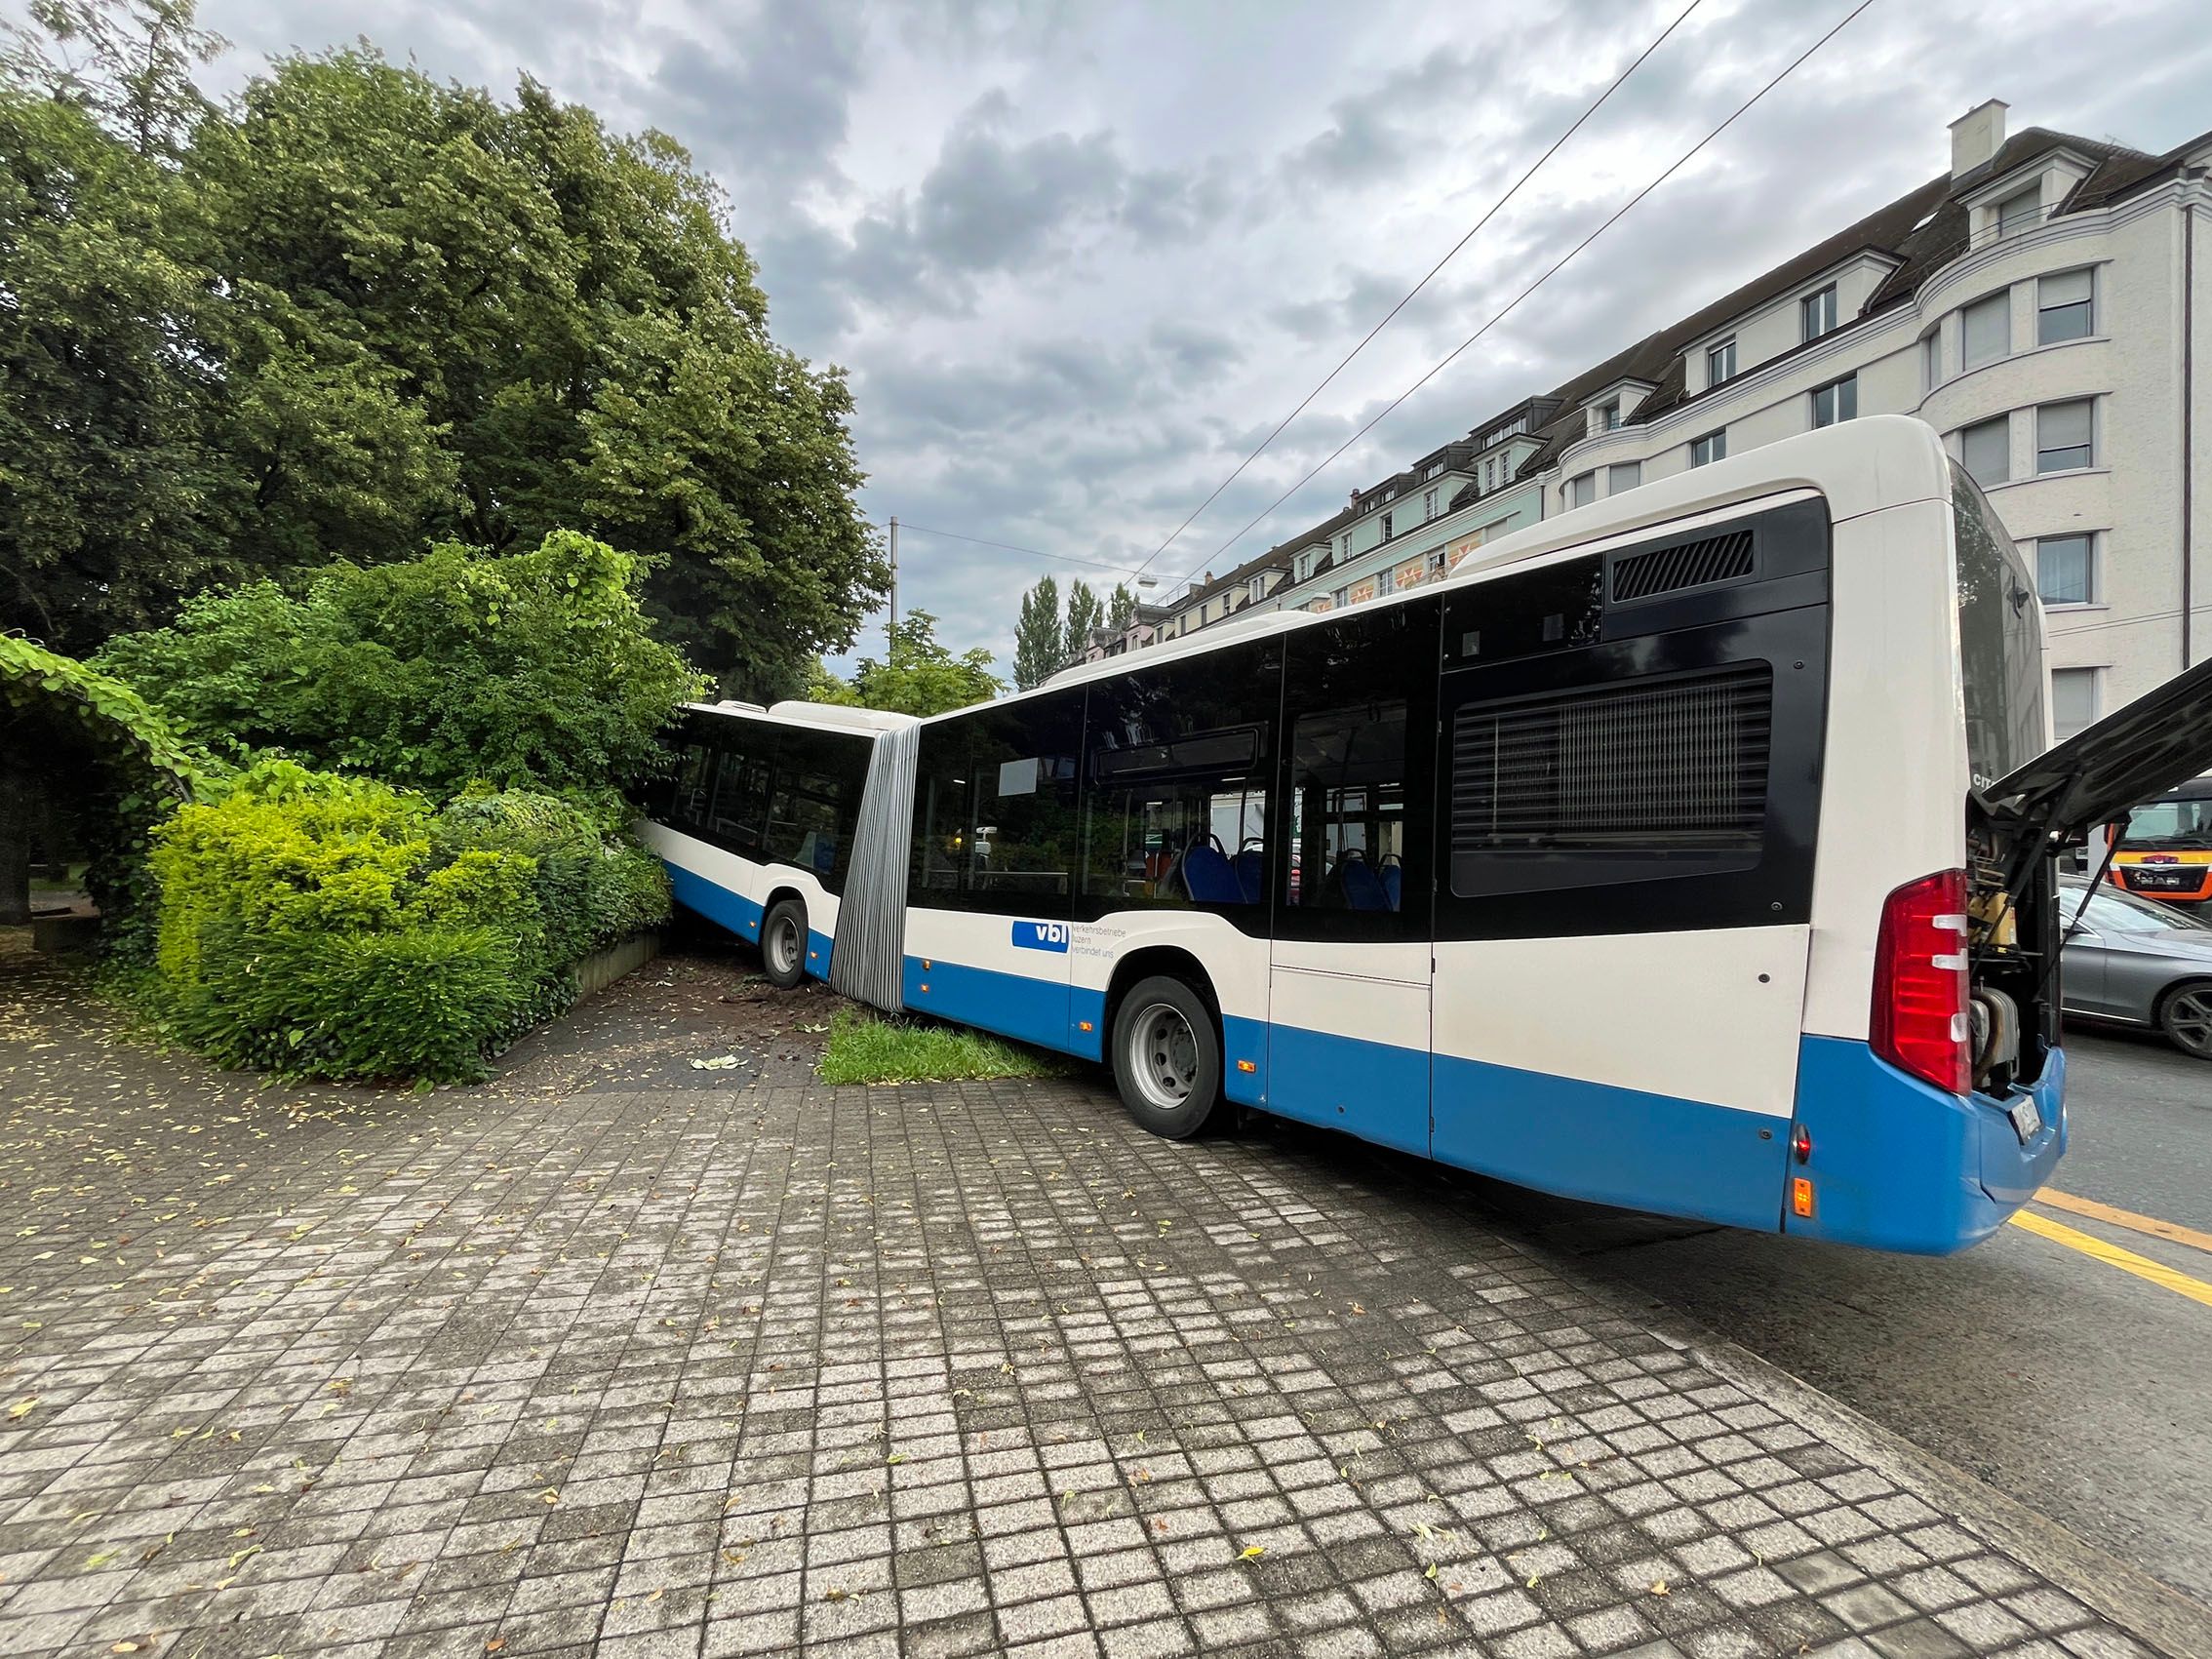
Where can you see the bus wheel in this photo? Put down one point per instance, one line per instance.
(784, 943)
(1168, 1058)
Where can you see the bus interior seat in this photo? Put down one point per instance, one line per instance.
(1248, 875)
(1393, 880)
(1363, 887)
(1210, 877)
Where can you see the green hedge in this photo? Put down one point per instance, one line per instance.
(336, 926)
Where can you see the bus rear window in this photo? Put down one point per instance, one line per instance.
(2000, 645)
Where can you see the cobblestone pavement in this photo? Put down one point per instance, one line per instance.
(702, 1370)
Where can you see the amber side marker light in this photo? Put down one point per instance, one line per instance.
(1085, 1025)
(1801, 1197)
(1247, 1066)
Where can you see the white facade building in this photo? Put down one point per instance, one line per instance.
(2046, 305)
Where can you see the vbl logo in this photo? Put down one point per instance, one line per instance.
(1041, 936)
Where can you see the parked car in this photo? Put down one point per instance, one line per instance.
(2136, 962)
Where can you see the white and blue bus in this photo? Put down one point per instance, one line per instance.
(1689, 852)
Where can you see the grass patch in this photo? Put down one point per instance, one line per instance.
(863, 1049)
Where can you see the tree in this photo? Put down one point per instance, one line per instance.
(527, 670)
(1121, 607)
(919, 677)
(1037, 635)
(1084, 614)
(356, 311)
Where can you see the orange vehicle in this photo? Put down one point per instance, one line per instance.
(2166, 852)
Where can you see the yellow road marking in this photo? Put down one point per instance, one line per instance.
(2127, 1261)
(2127, 1218)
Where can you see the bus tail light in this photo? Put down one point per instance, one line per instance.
(1920, 981)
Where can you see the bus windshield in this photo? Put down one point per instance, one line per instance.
(2000, 650)
(2176, 820)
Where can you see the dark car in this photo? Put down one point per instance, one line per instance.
(2136, 962)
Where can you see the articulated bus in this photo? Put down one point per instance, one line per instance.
(1690, 852)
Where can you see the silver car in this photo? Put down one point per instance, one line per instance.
(2137, 962)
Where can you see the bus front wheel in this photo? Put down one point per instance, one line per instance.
(784, 943)
(1168, 1058)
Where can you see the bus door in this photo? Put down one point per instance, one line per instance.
(1349, 965)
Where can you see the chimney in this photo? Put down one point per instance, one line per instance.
(1977, 135)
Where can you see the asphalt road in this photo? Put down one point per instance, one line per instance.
(2066, 1382)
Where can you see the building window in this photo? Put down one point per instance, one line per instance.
(2019, 211)
(1428, 505)
(2064, 436)
(1985, 331)
(1931, 360)
(2066, 569)
(2063, 306)
(1385, 536)
(1344, 545)
(1305, 566)
(1713, 447)
(1627, 475)
(1837, 401)
(2074, 700)
(1499, 434)
(1339, 597)
(1985, 449)
(1720, 363)
(1259, 589)
(1817, 313)
(1609, 417)
(1583, 491)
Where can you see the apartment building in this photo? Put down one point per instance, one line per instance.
(2046, 305)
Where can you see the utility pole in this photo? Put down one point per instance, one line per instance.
(890, 639)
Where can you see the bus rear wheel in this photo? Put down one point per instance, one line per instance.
(784, 943)
(1168, 1058)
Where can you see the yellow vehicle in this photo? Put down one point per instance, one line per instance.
(2166, 852)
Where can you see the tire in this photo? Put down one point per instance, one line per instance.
(1167, 1054)
(2185, 1015)
(784, 943)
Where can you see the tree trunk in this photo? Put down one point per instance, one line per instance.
(19, 817)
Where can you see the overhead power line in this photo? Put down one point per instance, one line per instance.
(1450, 357)
(1451, 254)
(1013, 547)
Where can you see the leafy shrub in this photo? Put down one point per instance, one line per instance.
(336, 926)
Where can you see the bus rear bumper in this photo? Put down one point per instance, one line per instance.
(1897, 1165)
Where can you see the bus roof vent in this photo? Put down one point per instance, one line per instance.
(1711, 559)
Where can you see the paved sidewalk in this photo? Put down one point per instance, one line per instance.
(961, 1368)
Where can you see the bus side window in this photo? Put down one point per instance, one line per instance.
(694, 775)
(1354, 693)
(740, 800)
(1177, 771)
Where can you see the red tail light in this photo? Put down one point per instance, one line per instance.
(1920, 981)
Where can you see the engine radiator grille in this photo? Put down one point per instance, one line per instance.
(1678, 763)
(1694, 564)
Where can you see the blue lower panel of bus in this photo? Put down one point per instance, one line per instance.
(1903, 1166)
(1376, 1091)
(1013, 1004)
(1611, 1145)
(739, 913)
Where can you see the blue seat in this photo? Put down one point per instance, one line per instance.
(1393, 880)
(1249, 875)
(1207, 874)
(1363, 888)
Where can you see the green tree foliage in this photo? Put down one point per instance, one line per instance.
(1084, 612)
(356, 310)
(82, 754)
(1037, 635)
(1121, 607)
(920, 676)
(335, 926)
(530, 670)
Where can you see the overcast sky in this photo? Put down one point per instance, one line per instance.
(1078, 259)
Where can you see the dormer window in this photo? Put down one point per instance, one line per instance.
(1720, 363)
(2020, 211)
(1817, 313)
(1609, 417)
